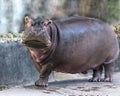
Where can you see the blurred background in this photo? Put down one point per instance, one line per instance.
(12, 12)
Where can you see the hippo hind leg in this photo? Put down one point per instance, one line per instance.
(97, 74)
(109, 69)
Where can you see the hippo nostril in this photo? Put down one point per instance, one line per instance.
(36, 31)
(43, 30)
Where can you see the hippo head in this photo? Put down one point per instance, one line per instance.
(36, 33)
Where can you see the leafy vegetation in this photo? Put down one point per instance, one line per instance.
(113, 10)
(116, 28)
(8, 37)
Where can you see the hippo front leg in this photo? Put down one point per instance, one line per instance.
(45, 71)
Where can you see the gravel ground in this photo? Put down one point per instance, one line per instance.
(73, 87)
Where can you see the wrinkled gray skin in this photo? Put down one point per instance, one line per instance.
(81, 44)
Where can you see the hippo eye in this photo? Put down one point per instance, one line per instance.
(42, 22)
(33, 24)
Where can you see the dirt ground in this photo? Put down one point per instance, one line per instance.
(71, 87)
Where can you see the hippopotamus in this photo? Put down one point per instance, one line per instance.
(73, 44)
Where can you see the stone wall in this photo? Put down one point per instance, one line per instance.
(16, 66)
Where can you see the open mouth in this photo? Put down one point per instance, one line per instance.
(34, 44)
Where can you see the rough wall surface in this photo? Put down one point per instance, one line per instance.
(16, 66)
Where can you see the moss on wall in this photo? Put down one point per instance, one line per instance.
(113, 10)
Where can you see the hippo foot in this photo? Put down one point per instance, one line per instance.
(41, 83)
(95, 80)
(107, 80)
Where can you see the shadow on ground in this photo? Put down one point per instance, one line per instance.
(75, 87)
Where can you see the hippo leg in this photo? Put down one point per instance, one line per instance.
(109, 69)
(38, 67)
(44, 75)
(97, 74)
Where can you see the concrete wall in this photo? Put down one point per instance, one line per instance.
(16, 66)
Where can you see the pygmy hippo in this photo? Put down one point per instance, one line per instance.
(71, 45)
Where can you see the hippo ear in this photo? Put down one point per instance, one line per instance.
(47, 22)
(28, 20)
